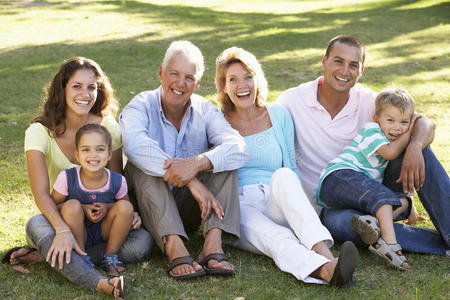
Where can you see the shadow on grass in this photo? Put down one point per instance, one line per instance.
(264, 34)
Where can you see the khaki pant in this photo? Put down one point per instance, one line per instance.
(175, 211)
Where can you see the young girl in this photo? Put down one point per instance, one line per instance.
(93, 200)
(353, 179)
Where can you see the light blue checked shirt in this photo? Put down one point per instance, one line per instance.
(149, 138)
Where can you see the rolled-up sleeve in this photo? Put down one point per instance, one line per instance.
(140, 149)
(230, 150)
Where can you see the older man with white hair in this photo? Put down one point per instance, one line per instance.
(181, 153)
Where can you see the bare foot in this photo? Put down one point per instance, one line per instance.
(25, 256)
(213, 244)
(326, 270)
(109, 286)
(117, 271)
(174, 249)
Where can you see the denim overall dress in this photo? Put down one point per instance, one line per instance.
(93, 230)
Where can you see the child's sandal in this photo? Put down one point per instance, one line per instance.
(390, 252)
(111, 260)
(367, 228)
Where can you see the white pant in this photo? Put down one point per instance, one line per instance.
(279, 221)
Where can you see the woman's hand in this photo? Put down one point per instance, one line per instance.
(63, 243)
(137, 221)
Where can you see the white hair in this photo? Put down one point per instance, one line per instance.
(188, 50)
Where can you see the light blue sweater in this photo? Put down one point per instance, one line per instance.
(284, 133)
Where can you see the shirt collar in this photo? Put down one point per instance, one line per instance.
(312, 101)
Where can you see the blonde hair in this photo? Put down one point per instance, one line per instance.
(398, 97)
(251, 64)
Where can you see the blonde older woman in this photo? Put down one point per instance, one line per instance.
(277, 219)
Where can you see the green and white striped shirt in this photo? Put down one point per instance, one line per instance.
(360, 156)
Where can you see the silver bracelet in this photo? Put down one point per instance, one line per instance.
(64, 230)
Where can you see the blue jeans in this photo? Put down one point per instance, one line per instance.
(346, 188)
(435, 197)
(136, 248)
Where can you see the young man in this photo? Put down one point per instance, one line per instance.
(167, 135)
(328, 113)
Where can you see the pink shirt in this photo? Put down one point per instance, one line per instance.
(61, 184)
(318, 138)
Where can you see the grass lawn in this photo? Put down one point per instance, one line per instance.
(407, 43)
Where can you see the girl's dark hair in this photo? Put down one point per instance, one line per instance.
(54, 109)
(93, 128)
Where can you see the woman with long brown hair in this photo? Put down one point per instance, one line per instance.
(79, 93)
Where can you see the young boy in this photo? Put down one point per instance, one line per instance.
(353, 179)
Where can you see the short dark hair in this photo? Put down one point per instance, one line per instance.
(348, 40)
(87, 128)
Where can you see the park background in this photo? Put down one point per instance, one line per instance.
(408, 44)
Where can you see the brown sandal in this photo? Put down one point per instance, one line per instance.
(121, 287)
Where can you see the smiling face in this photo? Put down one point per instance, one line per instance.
(178, 81)
(393, 122)
(240, 86)
(93, 152)
(342, 67)
(81, 92)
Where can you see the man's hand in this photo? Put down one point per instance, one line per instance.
(205, 199)
(63, 243)
(412, 216)
(180, 171)
(412, 174)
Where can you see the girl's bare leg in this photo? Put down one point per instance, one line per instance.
(73, 215)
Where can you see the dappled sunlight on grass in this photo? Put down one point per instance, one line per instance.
(17, 208)
(420, 4)
(407, 45)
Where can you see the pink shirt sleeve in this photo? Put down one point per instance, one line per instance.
(123, 189)
(61, 184)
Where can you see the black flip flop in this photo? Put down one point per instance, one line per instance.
(346, 265)
(7, 256)
(184, 260)
(219, 257)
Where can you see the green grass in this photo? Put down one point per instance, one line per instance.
(407, 43)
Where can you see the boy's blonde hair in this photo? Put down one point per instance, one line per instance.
(398, 97)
